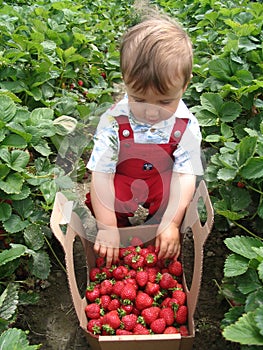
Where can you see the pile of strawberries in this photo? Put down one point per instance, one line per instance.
(140, 295)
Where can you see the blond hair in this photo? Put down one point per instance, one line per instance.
(157, 54)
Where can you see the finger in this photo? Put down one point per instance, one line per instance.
(109, 257)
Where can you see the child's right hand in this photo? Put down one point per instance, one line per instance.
(107, 245)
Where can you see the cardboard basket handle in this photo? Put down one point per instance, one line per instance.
(200, 234)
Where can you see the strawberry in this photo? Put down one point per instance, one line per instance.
(141, 278)
(111, 319)
(128, 258)
(131, 273)
(152, 273)
(135, 241)
(92, 293)
(150, 314)
(119, 272)
(92, 311)
(94, 326)
(117, 288)
(129, 322)
(106, 272)
(106, 287)
(127, 308)
(175, 268)
(166, 280)
(137, 261)
(158, 325)
(181, 314)
(166, 302)
(150, 259)
(180, 296)
(152, 288)
(80, 82)
(114, 304)
(171, 330)
(100, 261)
(123, 332)
(143, 300)
(168, 314)
(128, 292)
(140, 329)
(105, 301)
(94, 274)
(184, 331)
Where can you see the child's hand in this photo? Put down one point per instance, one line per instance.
(107, 245)
(168, 242)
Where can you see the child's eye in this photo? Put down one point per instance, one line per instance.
(165, 102)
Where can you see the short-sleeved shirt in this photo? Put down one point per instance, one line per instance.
(187, 156)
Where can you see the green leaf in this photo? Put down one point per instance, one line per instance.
(12, 183)
(41, 264)
(25, 207)
(242, 245)
(254, 300)
(212, 102)
(246, 149)
(49, 190)
(249, 282)
(34, 237)
(235, 265)
(231, 215)
(18, 160)
(15, 339)
(43, 148)
(226, 174)
(9, 301)
(253, 169)
(259, 319)
(7, 108)
(220, 69)
(4, 170)
(16, 251)
(5, 211)
(15, 224)
(14, 140)
(229, 111)
(244, 331)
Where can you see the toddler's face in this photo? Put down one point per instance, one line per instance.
(152, 107)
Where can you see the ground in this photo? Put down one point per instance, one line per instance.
(53, 321)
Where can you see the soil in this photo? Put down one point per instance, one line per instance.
(53, 322)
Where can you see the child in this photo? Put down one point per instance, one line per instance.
(147, 146)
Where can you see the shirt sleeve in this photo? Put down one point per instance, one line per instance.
(104, 155)
(188, 153)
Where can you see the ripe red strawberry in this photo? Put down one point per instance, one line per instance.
(123, 332)
(152, 273)
(175, 268)
(105, 301)
(143, 300)
(168, 314)
(150, 314)
(140, 329)
(180, 296)
(136, 241)
(184, 331)
(158, 326)
(114, 304)
(112, 319)
(119, 272)
(152, 288)
(137, 261)
(166, 280)
(92, 293)
(129, 321)
(100, 261)
(151, 259)
(117, 288)
(131, 273)
(131, 281)
(181, 314)
(127, 308)
(80, 82)
(141, 278)
(92, 310)
(94, 274)
(128, 292)
(166, 302)
(106, 287)
(171, 330)
(94, 326)
(106, 272)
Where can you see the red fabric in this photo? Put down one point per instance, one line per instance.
(143, 173)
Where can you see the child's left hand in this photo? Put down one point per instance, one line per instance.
(168, 242)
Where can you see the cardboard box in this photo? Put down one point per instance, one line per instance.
(63, 214)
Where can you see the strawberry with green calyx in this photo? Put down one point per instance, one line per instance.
(158, 326)
(152, 273)
(95, 274)
(117, 288)
(114, 304)
(100, 262)
(152, 288)
(92, 292)
(181, 315)
(128, 292)
(111, 319)
(141, 277)
(106, 287)
(137, 261)
(105, 271)
(93, 311)
(104, 301)
(166, 280)
(94, 326)
(167, 314)
(140, 329)
(107, 330)
(128, 322)
(120, 272)
(127, 308)
(151, 259)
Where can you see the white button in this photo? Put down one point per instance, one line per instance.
(126, 133)
(177, 133)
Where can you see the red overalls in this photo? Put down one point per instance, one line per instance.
(143, 173)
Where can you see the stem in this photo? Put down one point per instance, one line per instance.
(247, 230)
(55, 255)
(254, 189)
(220, 289)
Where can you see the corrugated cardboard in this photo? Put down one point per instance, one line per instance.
(63, 214)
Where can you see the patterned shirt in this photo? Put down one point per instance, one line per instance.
(104, 156)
